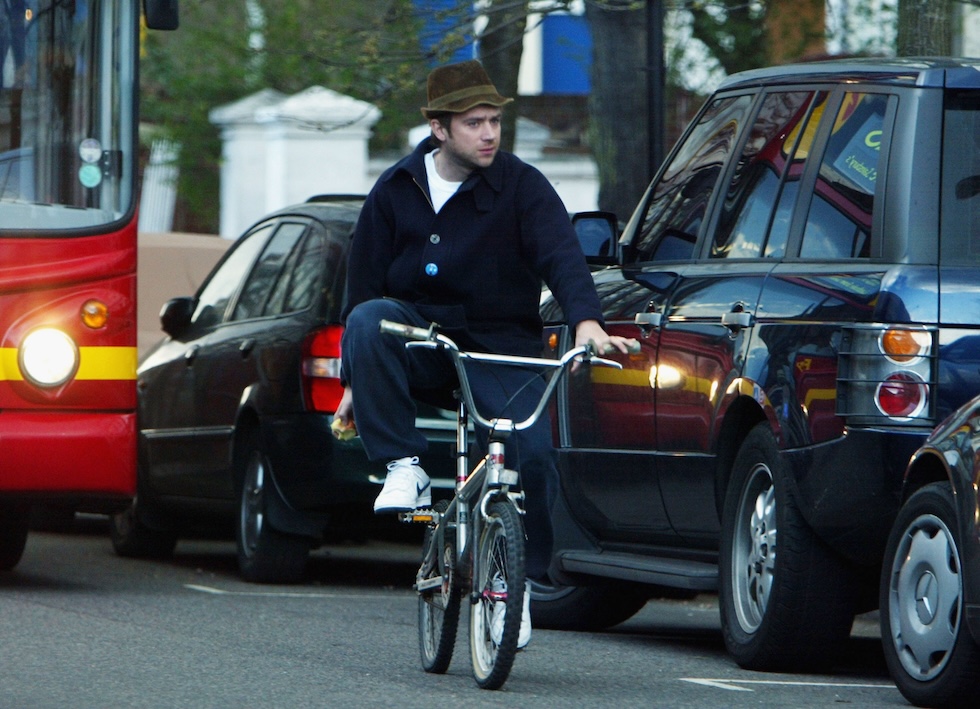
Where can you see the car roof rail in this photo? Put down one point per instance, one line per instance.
(335, 198)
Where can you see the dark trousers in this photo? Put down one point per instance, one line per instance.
(383, 373)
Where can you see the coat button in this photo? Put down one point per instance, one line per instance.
(434, 239)
(431, 269)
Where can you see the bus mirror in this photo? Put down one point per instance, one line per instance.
(176, 314)
(161, 14)
(598, 235)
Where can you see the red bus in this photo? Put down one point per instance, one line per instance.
(68, 159)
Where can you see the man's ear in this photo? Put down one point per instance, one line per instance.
(437, 130)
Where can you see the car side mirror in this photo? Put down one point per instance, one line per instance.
(175, 316)
(161, 14)
(598, 235)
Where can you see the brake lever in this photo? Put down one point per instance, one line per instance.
(603, 362)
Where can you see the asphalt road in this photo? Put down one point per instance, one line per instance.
(82, 628)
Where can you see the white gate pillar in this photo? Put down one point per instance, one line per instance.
(280, 150)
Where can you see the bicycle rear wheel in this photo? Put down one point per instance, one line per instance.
(500, 561)
(439, 607)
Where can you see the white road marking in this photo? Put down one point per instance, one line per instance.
(732, 684)
(277, 594)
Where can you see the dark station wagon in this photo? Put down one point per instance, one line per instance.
(235, 406)
(803, 275)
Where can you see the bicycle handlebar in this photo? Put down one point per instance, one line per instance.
(432, 339)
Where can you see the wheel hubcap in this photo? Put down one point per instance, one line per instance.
(926, 593)
(925, 598)
(253, 517)
(754, 552)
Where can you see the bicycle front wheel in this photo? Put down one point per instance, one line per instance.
(495, 613)
(439, 606)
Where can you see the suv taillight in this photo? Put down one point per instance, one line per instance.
(320, 369)
(886, 373)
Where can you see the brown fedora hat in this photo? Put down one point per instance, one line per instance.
(456, 88)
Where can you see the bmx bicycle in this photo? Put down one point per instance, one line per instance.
(473, 546)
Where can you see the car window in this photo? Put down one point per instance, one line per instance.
(268, 270)
(221, 287)
(305, 277)
(754, 189)
(839, 219)
(960, 241)
(300, 278)
(678, 203)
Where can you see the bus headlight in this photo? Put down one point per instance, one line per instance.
(48, 357)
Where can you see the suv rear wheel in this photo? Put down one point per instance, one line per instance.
(785, 610)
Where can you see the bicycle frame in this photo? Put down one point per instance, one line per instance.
(475, 511)
(489, 479)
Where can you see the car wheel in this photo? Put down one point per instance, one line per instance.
(785, 610)
(265, 555)
(52, 518)
(15, 522)
(929, 650)
(133, 539)
(589, 608)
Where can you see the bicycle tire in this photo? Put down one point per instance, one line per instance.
(501, 556)
(439, 607)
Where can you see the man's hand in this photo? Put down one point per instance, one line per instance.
(591, 331)
(343, 419)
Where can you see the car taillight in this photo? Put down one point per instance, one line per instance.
(886, 372)
(901, 395)
(320, 369)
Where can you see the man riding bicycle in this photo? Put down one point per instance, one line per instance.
(461, 234)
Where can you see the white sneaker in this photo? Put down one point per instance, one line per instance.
(406, 487)
(498, 589)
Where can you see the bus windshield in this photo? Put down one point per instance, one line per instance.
(67, 107)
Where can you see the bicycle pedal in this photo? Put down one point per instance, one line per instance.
(424, 516)
(428, 584)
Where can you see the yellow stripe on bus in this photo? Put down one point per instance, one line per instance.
(95, 364)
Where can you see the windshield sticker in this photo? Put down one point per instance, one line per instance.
(859, 160)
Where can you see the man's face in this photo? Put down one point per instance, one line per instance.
(473, 140)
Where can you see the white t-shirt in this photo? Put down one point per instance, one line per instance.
(439, 189)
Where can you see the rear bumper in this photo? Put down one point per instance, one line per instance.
(849, 490)
(65, 456)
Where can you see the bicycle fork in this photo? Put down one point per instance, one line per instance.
(488, 481)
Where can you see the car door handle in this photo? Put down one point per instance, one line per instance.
(648, 320)
(246, 346)
(736, 320)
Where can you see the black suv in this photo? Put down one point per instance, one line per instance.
(802, 275)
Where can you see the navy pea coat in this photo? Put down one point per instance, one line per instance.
(477, 266)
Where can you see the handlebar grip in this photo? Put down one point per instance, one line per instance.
(409, 332)
(631, 348)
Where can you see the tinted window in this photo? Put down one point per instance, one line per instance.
(300, 279)
(267, 271)
(223, 284)
(305, 277)
(839, 220)
(961, 180)
(678, 203)
(754, 189)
